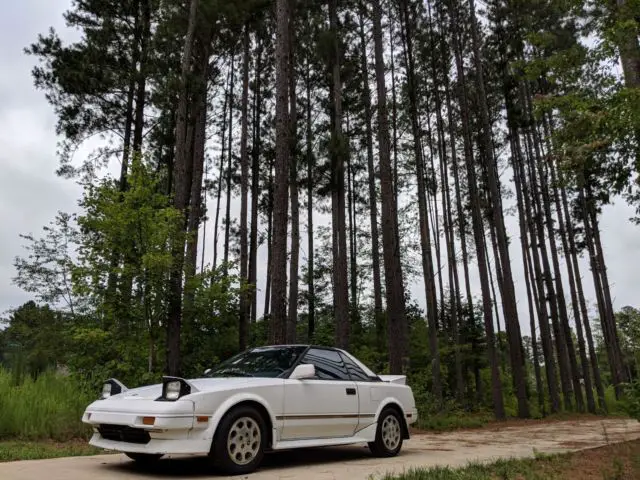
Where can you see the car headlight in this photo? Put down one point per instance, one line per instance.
(112, 387)
(172, 391)
(174, 388)
(106, 390)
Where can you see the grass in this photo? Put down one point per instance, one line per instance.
(48, 408)
(612, 462)
(442, 422)
(22, 450)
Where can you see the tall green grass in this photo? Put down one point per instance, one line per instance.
(49, 407)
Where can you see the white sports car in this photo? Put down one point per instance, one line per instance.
(264, 399)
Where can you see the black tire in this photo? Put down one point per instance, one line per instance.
(388, 434)
(144, 458)
(240, 440)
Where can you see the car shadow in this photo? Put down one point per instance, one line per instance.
(199, 467)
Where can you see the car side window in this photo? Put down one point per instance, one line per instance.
(355, 372)
(328, 363)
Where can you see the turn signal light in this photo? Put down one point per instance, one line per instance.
(148, 420)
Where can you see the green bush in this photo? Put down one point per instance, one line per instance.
(632, 393)
(49, 407)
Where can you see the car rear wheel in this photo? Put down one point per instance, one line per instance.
(238, 446)
(144, 458)
(388, 440)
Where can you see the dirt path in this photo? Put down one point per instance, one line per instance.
(352, 463)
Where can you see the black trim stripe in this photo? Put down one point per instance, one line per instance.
(324, 417)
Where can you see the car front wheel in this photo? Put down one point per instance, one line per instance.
(388, 440)
(238, 447)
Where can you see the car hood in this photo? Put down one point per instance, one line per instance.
(151, 392)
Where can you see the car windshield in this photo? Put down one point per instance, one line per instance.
(259, 362)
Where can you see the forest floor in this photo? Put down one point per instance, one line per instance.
(497, 442)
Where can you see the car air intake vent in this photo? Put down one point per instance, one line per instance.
(123, 433)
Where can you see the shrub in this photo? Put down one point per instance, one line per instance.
(49, 407)
(632, 393)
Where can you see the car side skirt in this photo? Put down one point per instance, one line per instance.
(366, 435)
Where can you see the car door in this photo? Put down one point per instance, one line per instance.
(368, 401)
(321, 407)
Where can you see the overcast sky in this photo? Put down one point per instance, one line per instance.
(31, 194)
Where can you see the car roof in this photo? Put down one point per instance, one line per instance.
(303, 345)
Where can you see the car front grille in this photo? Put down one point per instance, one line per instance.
(123, 433)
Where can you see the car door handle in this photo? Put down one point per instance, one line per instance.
(351, 391)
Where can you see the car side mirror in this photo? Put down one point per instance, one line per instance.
(206, 372)
(303, 371)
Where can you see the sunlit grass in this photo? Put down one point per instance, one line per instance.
(11, 451)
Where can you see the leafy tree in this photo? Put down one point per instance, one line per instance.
(47, 270)
(628, 321)
(34, 339)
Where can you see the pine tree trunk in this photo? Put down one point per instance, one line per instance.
(373, 201)
(311, 321)
(394, 287)
(281, 179)
(478, 228)
(543, 315)
(591, 404)
(546, 274)
(182, 188)
(628, 41)
(564, 320)
(292, 318)
(394, 99)
(145, 35)
(454, 282)
(433, 214)
(255, 185)
(583, 304)
(622, 372)
(338, 153)
(394, 103)
(532, 291)
(353, 229)
(565, 330)
(531, 296)
(227, 225)
(221, 171)
(243, 330)
(577, 294)
(509, 300)
(592, 231)
(200, 105)
(494, 297)
(425, 230)
(267, 290)
(111, 305)
(456, 182)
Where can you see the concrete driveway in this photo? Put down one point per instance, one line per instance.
(352, 463)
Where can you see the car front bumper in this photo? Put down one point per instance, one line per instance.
(149, 427)
(188, 444)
